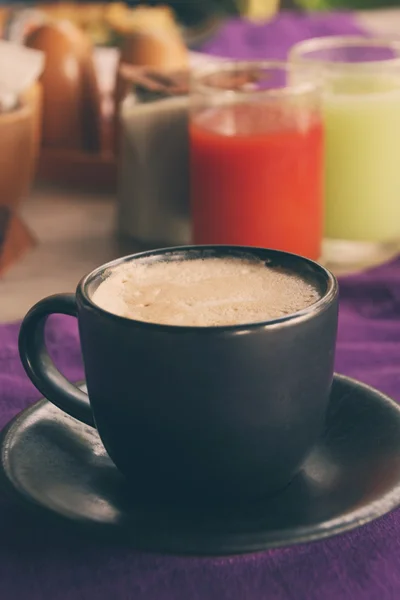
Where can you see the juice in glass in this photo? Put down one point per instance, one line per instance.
(360, 82)
(257, 175)
(362, 120)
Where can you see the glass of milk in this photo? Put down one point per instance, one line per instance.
(153, 174)
(361, 111)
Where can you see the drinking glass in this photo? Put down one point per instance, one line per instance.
(361, 111)
(256, 157)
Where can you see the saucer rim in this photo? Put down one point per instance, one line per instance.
(235, 543)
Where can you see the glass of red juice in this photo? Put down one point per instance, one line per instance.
(256, 157)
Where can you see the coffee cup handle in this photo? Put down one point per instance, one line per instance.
(37, 362)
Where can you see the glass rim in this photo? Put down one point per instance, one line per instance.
(298, 52)
(227, 65)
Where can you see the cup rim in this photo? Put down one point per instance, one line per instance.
(304, 314)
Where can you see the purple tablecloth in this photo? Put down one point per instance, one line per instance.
(42, 563)
(273, 40)
(39, 562)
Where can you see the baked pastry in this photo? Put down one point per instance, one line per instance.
(71, 98)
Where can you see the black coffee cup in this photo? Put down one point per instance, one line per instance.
(202, 414)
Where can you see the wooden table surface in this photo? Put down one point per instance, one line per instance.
(74, 233)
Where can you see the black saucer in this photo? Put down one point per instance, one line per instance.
(351, 477)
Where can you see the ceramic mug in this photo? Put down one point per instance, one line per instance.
(203, 414)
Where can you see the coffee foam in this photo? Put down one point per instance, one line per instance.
(203, 292)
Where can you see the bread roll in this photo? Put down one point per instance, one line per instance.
(71, 98)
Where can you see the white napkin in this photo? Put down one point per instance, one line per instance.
(20, 67)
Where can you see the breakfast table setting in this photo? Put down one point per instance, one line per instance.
(52, 560)
(341, 538)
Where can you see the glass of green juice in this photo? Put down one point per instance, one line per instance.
(360, 78)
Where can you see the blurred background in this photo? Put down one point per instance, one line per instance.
(94, 148)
